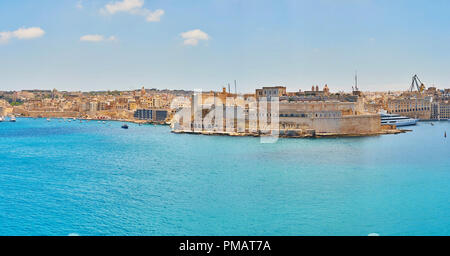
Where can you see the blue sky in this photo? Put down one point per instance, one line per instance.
(112, 44)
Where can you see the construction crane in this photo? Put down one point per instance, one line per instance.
(417, 84)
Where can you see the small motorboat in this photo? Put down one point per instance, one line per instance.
(13, 119)
(124, 126)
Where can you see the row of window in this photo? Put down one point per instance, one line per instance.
(412, 109)
(147, 114)
(331, 114)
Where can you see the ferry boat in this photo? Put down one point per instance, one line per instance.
(11, 119)
(397, 120)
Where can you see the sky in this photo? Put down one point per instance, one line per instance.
(198, 44)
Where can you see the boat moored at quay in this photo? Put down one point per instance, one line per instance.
(397, 120)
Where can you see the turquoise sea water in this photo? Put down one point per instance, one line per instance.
(98, 179)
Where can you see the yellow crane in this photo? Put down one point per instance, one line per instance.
(417, 84)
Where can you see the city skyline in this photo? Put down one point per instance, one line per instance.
(122, 45)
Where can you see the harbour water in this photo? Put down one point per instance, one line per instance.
(61, 178)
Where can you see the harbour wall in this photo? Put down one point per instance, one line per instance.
(353, 124)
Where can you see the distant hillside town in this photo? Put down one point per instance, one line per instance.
(299, 113)
(102, 105)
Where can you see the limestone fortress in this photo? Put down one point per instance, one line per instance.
(272, 110)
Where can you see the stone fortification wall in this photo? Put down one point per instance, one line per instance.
(357, 124)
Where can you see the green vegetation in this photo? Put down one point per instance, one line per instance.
(115, 93)
(16, 103)
(10, 99)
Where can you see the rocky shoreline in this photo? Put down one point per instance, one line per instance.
(310, 135)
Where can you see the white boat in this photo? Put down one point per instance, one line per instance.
(13, 119)
(2, 119)
(397, 120)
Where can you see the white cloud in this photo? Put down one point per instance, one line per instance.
(79, 4)
(92, 38)
(112, 38)
(190, 41)
(28, 33)
(134, 7)
(155, 16)
(124, 6)
(21, 34)
(192, 37)
(5, 37)
(96, 38)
